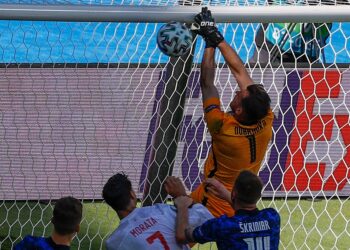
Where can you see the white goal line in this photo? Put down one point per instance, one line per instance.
(156, 14)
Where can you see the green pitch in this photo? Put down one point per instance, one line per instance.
(305, 224)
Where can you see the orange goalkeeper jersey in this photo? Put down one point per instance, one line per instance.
(234, 147)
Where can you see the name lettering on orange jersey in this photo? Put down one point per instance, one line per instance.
(250, 131)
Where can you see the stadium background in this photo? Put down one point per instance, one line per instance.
(70, 119)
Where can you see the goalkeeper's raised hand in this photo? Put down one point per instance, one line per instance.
(207, 28)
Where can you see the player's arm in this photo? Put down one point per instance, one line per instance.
(206, 28)
(211, 102)
(236, 65)
(184, 233)
(213, 39)
(207, 76)
(218, 189)
(174, 186)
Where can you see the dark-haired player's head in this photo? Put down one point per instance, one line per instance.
(247, 189)
(118, 192)
(67, 215)
(251, 105)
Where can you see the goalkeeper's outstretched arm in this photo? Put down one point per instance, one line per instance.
(207, 77)
(213, 38)
(236, 65)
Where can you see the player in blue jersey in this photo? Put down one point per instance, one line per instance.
(66, 219)
(250, 228)
(145, 228)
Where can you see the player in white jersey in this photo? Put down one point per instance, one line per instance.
(145, 228)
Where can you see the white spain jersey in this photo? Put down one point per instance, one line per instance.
(153, 228)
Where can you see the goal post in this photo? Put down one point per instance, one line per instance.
(169, 118)
(86, 93)
(149, 14)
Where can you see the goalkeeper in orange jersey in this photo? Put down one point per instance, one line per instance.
(239, 137)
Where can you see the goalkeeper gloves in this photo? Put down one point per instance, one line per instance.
(206, 27)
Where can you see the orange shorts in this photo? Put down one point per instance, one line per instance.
(216, 206)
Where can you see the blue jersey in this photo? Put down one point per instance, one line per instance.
(251, 230)
(39, 243)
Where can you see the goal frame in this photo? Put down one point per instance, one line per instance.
(176, 79)
(171, 106)
(150, 14)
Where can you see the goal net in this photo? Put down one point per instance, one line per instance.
(82, 100)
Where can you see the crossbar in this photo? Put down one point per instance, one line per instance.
(163, 14)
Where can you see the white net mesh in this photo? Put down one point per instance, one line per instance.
(81, 101)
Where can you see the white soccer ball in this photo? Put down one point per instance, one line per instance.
(174, 39)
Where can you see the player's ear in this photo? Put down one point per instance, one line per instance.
(133, 195)
(238, 110)
(233, 195)
(77, 228)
